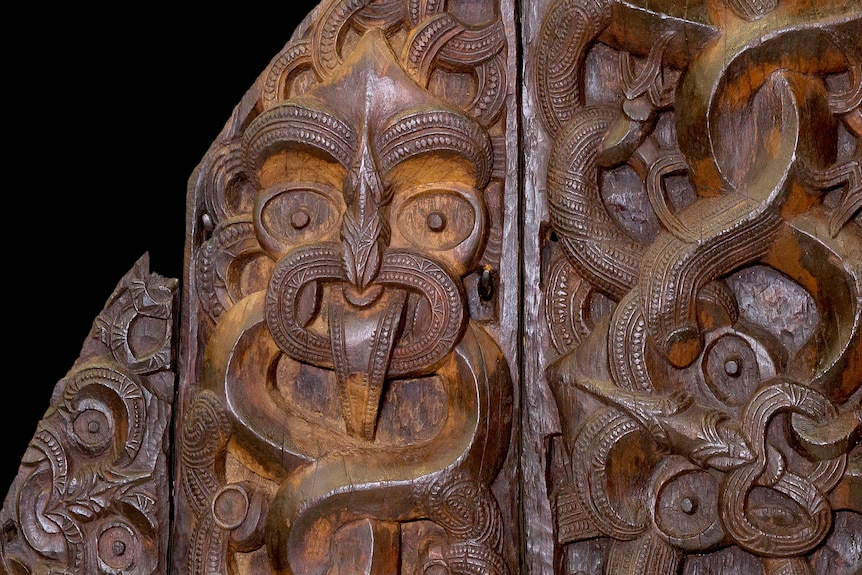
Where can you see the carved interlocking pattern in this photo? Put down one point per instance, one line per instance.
(92, 491)
(352, 407)
(702, 295)
(572, 287)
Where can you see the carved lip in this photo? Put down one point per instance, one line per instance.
(428, 286)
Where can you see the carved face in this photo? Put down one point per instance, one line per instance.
(434, 208)
(340, 379)
(373, 212)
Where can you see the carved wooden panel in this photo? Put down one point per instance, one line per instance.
(694, 404)
(646, 211)
(348, 384)
(92, 494)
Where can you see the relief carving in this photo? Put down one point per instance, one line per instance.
(92, 491)
(659, 232)
(701, 277)
(351, 407)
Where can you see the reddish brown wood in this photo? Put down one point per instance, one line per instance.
(348, 387)
(92, 494)
(696, 169)
(675, 275)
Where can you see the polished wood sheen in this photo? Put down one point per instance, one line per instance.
(347, 398)
(572, 287)
(693, 359)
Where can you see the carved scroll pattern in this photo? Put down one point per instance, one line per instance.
(91, 495)
(703, 285)
(354, 410)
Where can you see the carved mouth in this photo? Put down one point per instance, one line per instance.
(404, 325)
(362, 340)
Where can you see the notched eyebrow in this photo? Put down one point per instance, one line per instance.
(295, 123)
(424, 131)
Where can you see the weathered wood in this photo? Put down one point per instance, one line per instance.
(694, 361)
(348, 384)
(400, 352)
(92, 494)
(133, 104)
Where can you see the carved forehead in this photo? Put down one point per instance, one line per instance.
(370, 92)
(371, 86)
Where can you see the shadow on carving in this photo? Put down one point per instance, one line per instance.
(92, 491)
(350, 408)
(703, 291)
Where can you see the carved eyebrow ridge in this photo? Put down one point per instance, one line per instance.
(425, 131)
(301, 124)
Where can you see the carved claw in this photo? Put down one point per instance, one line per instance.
(703, 435)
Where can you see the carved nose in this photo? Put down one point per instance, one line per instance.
(362, 250)
(364, 229)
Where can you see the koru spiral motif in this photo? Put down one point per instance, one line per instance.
(485, 287)
(692, 422)
(91, 492)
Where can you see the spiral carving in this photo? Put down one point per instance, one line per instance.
(224, 184)
(205, 433)
(729, 124)
(761, 529)
(232, 247)
(599, 436)
(466, 510)
(90, 495)
(408, 271)
(97, 425)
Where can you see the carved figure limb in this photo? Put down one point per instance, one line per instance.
(677, 395)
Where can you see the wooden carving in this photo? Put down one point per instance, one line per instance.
(92, 492)
(655, 225)
(701, 270)
(347, 401)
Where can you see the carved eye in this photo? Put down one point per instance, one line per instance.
(731, 369)
(437, 219)
(287, 216)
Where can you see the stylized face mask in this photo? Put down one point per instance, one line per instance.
(373, 212)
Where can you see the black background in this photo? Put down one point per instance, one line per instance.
(106, 116)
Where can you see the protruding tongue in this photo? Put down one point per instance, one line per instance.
(362, 339)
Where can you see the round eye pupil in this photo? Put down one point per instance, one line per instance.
(299, 219)
(436, 221)
(732, 367)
